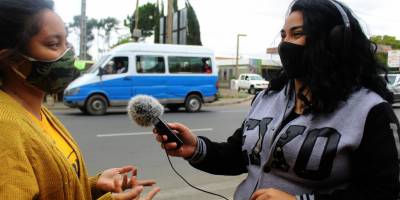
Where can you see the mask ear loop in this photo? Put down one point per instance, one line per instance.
(36, 60)
(10, 57)
(4, 53)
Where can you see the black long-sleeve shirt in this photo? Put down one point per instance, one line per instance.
(374, 164)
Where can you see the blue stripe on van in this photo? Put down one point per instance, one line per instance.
(160, 86)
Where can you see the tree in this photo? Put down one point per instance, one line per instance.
(385, 40)
(175, 5)
(107, 25)
(147, 19)
(90, 25)
(157, 16)
(193, 26)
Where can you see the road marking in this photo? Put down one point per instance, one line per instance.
(233, 111)
(145, 133)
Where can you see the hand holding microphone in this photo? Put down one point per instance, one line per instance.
(146, 110)
(177, 139)
(189, 139)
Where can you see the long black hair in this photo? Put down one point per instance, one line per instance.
(331, 76)
(19, 21)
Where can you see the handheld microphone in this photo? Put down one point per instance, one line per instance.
(145, 111)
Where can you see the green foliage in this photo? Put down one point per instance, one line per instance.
(175, 5)
(386, 40)
(107, 25)
(157, 16)
(193, 34)
(162, 9)
(147, 19)
(382, 57)
(123, 40)
(90, 25)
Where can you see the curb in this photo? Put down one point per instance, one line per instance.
(222, 102)
(226, 102)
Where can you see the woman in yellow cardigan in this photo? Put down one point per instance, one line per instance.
(39, 158)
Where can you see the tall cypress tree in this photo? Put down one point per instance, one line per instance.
(157, 16)
(193, 29)
(175, 5)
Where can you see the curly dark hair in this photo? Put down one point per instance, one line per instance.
(332, 76)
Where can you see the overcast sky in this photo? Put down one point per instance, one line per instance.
(221, 20)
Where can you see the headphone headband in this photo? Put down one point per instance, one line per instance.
(345, 18)
(342, 12)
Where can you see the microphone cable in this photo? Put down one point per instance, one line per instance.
(187, 182)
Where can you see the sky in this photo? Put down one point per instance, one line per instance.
(221, 20)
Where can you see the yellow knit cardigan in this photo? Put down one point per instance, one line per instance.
(31, 166)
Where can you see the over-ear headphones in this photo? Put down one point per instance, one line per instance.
(340, 35)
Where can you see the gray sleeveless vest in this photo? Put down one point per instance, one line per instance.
(309, 153)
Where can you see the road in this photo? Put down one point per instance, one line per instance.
(113, 140)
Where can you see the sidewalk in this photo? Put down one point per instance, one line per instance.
(225, 97)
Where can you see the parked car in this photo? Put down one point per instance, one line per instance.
(394, 86)
(252, 83)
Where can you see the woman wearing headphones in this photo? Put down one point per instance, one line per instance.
(323, 130)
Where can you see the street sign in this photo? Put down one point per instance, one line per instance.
(394, 58)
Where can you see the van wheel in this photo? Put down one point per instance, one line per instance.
(83, 110)
(252, 90)
(193, 103)
(96, 105)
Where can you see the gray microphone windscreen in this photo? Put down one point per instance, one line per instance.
(144, 110)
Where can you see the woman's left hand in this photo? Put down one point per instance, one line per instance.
(107, 179)
(271, 194)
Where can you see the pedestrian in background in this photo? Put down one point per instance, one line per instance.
(39, 158)
(323, 130)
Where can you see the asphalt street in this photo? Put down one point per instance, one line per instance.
(114, 140)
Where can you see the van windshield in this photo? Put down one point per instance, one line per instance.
(97, 64)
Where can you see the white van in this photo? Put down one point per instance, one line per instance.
(177, 75)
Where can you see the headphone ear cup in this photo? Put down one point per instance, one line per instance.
(336, 39)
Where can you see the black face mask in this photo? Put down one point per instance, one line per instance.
(292, 59)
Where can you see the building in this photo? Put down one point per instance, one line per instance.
(267, 67)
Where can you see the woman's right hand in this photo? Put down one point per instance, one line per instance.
(183, 132)
(134, 192)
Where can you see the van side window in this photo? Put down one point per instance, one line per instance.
(150, 64)
(197, 65)
(117, 65)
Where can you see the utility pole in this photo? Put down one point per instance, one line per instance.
(137, 15)
(136, 32)
(170, 20)
(237, 54)
(82, 41)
